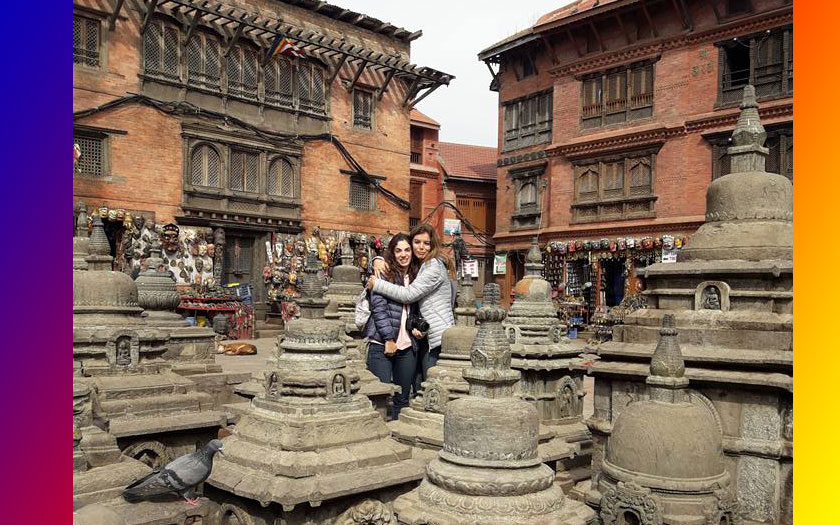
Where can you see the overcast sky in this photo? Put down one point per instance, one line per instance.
(454, 31)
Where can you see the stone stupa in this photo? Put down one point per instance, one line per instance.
(544, 357)
(310, 439)
(664, 461)
(81, 241)
(345, 287)
(731, 296)
(192, 349)
(489, 470)
(155, 414)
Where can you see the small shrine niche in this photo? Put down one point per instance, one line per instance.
(125, 352)
(339, 386)
(712, 295)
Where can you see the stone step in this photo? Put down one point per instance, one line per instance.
(709, 336)
(267, 333)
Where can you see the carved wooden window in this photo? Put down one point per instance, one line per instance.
(311, 90)
(281, 178)
(86, 41)
(205, 166)
(161, 53)
(617, 96)
(242, 73)
(362, 194)
(203, 66)
(279, 87)
(526, 212)
(614, 188)
(415, 199)
(527, 121)
(93, 152)
(477, 211)
(527, 196)
(244, 171)
(764, 60)
(362, 109)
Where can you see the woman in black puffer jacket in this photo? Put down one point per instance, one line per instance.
(392, 355)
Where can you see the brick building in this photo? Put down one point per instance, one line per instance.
(614, 117)
(182, 116)
(462, 175)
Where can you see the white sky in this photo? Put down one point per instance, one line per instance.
(454, 31)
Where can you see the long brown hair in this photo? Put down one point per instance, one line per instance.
(394, 268)
(435, 251)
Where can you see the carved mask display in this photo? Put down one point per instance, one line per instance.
(211, 250)
(199, 265)
(169, 237)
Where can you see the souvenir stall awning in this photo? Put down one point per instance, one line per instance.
(236, 23)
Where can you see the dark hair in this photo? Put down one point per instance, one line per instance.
(394, 268)
(434, 247)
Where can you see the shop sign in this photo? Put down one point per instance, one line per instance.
(451, 226)
(471, 268)
(500, 264)
(669, 256)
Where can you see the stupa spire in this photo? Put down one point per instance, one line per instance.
(533, 260)
(748, 152)
(667, 367)
(99, 248)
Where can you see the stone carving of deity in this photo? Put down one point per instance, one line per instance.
(339, 388)
(123, 357)
(271, 388)
(711, 298)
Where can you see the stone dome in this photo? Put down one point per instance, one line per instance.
(667, 440)
(104, 289)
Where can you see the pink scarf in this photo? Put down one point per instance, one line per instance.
(403, 340)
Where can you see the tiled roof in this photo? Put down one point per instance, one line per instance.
(574, 8)
(417, 116)
(471, 162)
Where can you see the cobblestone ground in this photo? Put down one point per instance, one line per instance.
(265, 347)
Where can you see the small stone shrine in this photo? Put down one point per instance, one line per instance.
(489, 470)
(81, 240)
(310, 440)
(664, 461)
(421, 423)
(544, 357)
(154, 414)
(731, 297)
(345, 287)
(192, 349)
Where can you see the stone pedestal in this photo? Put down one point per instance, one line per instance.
(489, 470)
(731, 297)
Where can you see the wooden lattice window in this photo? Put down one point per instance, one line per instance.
(362, 109)
(244, 171)
(279, 87)
(526, 204)
(203, 66)
(527, 121)
(617, 96)
(92, 147)
(205, 166)
(161, 51)
(242, 66)
(86, 41)
(311, 88)
(362, 195)
(764, 60)
(614, 188)
(281, 178)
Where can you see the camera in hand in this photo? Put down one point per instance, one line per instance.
(415, 322)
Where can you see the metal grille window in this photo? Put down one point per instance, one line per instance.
(205, 166)
(279, 89)
(362, 196)
(281, 178)
(527, 121)
(160, 51)
(203, 68)
(362, 109)
(617, 96)
(764, 60)
(92, 159)
(311, 88)
(244, 171)
(86, 41)
(242, 73)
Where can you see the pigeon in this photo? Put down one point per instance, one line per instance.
(180, 475)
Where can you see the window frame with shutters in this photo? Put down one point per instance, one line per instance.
(237, 70)
(203, 152)
(89, 52)
(415, 200)
(479, 211)
(95, 145)
(617, 95)
(779, 142)
(527, 206)
(614, 187)
(311, 76)
(527, 121)
(249, 161)
(769, 59)
(361, 194)
(279, 89)
(203, 69)
(166, 53)
(363, 117)
(288, 180)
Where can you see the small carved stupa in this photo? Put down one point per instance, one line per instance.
(345, 287)
(81, 240)
(543, 357)
(191, 348)
(421, 423)
(489, 471)
(310, 436)
(664, 462)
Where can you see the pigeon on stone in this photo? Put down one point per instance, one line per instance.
(180, 476)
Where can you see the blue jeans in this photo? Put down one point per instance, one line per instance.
(426, 359)
(398, 369)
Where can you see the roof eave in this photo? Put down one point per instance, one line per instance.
(577, 17)
(503, 47)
